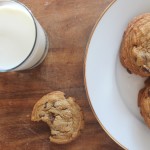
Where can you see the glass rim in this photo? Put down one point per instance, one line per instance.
(34, 22)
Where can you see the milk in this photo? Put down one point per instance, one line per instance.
(22, 39)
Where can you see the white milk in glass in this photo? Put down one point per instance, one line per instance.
(22, 40)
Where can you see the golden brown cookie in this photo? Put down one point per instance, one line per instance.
(63, 116)
(144, 102)
(135, 46)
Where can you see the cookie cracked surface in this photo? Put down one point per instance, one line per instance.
(63, 116)
(135, 47)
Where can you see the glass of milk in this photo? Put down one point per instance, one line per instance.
(23, 42)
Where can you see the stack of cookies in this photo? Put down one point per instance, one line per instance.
(135, 57)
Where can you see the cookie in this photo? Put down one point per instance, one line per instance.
(144, 102)
(135, 46)
(63, 116)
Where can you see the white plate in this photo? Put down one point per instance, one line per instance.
(111, 90)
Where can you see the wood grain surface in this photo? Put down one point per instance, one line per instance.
(68, 24)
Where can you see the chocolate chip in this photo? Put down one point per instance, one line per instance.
(41, 115)
(135, 45)
(145, 69)
(45, 105)
(129, 71)
(147, 81)
(52, 117)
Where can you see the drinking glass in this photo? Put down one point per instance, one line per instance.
(23, 42)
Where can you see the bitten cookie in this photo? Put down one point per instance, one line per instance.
(144, 102)
(63, 116)
(135, 47)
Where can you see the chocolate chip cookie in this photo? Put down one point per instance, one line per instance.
(135, 47)
(144, 102)
(63, 116)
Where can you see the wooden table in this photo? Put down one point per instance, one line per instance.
(68, 24)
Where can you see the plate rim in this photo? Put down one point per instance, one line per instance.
(84, 73)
